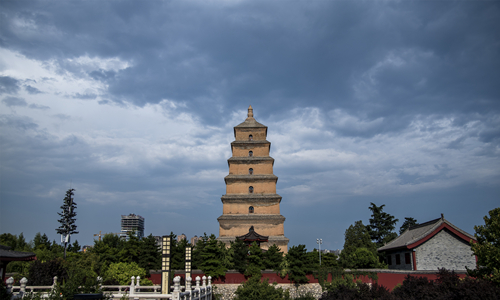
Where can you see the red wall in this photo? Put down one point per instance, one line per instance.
(385, 277)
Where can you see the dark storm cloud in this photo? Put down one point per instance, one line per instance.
(14, 101)
(366, 101)
(403, 57)
(8, 85)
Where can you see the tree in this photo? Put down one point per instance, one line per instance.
(68, 219)
(122, 272)
(298, 266)
(487, 248)
(407, 224)
(212, 258)
(381, 225)
(41, 241)
(329, 260)
(273, 258)
(150, 257)
(240, 255)
(255, 261)
(356, 237)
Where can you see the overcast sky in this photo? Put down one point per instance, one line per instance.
(133, 104)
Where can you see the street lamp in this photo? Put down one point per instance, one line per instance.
(319, 242)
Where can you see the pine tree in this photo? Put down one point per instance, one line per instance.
(407, 224)
(255, 261)
(273, 258)
(381, 225)
(298, 267)
(356, 238)
(240, 255)
(68, 219)
(212, 257)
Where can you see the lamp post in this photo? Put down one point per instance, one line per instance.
(319, 242)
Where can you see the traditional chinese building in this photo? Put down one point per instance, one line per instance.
(251, 200)
(429, 246)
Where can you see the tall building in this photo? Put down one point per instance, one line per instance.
(251, 205)
(181, 237)
(134, 224)
(194, 240)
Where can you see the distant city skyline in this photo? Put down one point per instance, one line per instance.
(133, 105)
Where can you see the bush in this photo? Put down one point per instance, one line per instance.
(122, 273)
(253, 289)
(42, 273)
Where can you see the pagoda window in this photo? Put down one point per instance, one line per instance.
(250, 171)
(250, 153)
(250, 137)
(250, 210)
(250, 189)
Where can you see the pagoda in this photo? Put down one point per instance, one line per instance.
(251, 200)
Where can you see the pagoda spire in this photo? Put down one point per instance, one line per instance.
(250, 113)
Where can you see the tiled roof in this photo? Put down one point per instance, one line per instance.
(420, 232)
(250, 122)
(8, 255)
(253, 236)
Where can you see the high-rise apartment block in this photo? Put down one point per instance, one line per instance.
(132, 224)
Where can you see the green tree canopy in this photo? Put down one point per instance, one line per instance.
(356, 236)
(298, 264)
(213, 257)
(122, 272)
(407, 224)
(255, 261)
(239, 253)
(273, 258)
(381, 225)
(487, 248)
(41, 241)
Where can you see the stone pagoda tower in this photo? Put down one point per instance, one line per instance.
(251, 200)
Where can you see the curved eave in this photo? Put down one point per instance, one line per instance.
(250, 178)
(426, 235)
(251, 198)
(465, 237)
(251, 217)
(250, 160)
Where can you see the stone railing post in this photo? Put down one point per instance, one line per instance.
(188, 284)
(54, 283)
(10, 282)
(132, 287)
(204, 278)
(23, 283)
(198, 282)
(99, 282)
(209, 280)
(177, 288)
(137, 284)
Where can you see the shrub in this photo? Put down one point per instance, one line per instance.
(253, 289)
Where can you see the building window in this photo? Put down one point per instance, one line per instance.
(250, 189)
(250, 210)
(407, 258)
(250, 153)
(250, 137)
(398, 259)
(389, 260)
(250, 171)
